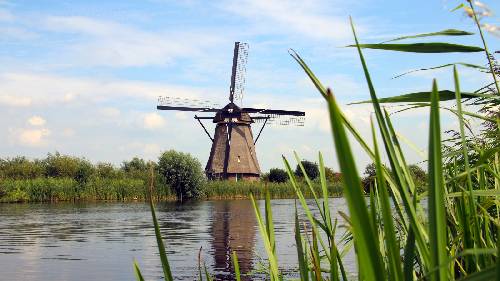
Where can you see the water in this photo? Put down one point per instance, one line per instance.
(99, 241)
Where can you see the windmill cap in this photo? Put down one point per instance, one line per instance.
(231, 110)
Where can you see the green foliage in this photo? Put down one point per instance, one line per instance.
(57, 165)
(84, 171)
(419, 177)
(66, 178)
(135, 165)
(394, 238)
(310, 168)
(458, 241)
(332, 176)
(183, 173)
(21, 168)
(243, 189)
(105, 170)
(277, 175)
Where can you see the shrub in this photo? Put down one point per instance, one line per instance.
(83, 171)
(277, 175)
(183, 173)
(332, 176)
(419, 177)
(311, 169)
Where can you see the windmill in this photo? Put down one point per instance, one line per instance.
(233, 155)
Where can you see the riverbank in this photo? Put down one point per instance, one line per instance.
(135, 189)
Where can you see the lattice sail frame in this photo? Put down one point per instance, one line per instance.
(178, 101)
(280, 120)
(238, 76)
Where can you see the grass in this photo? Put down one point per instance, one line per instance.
(128, 189)
(456, 238)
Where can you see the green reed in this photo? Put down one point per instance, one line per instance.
(127, 189)
(243, 189)
(68, 189)
(394, 237)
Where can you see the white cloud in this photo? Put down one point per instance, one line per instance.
(68, 132)
(11, 100)
(30, 137)
(181, 115)
(110, 112)
(153, 121)
(110, 43)
(36, 121)
(6, 15)
(303, 17)
(149, 151)
(25, 89)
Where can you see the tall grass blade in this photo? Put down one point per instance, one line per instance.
(409, 256)
(236, 266)
(309, 72)
(391, 243)
(273, 262)
(444, 95)
(433, 47)
(137, 272)
(487, 274)
(437, 215)
(399, 185)
(161, 247)
(324, 188)
(303, 269)
(370, 263)
(269, 220)
(470, 65)
(446, 32)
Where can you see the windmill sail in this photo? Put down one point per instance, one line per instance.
(239, 70)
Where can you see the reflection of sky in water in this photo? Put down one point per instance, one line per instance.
(98, 241)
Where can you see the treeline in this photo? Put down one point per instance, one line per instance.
(369, 175)
(176, 176)
(60, 177)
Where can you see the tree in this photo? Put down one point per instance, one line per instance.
(332, 176)
(311, 169)
(419, 177)
(21, 168)
(57, 165)
(105, 170)
(369, 179)
(84, 170)
(183, 173)
(136, 164)
(277, 175)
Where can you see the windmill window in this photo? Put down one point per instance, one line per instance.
(239, 159)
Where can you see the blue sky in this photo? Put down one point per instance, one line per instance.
(82, 77)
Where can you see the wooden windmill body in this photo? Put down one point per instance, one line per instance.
(233, 149)
(233, 154)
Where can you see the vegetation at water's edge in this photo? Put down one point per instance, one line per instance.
(65, 178)
(177, 176)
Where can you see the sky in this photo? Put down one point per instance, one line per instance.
(83, 77)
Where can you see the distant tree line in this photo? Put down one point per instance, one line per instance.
(277, 175)
(175, 174)
(312, 171)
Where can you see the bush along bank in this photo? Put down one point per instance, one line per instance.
(177, 176)
(130, 189)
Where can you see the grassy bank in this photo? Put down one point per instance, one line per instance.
(129, 189)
